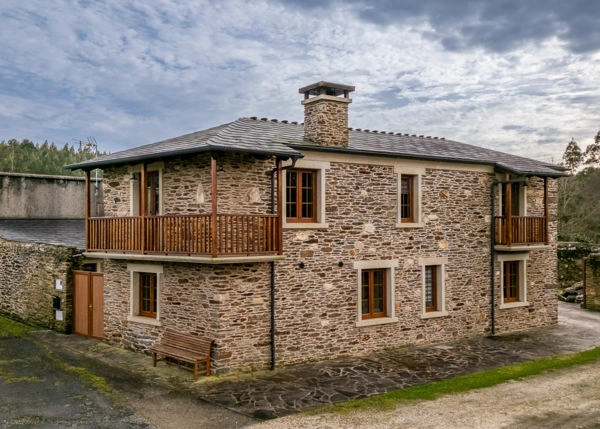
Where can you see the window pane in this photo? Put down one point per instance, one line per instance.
(365, 299)
(406, 197)
(429, 292)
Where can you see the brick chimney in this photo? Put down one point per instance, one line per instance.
(326, 113)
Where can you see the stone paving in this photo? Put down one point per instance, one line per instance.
(271, 394)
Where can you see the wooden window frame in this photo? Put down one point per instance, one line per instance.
(153, 295)
(433, 269)
(411, 198)
(370, 273)
(298, 190)
(511, 272)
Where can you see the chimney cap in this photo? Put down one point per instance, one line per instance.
(327, 88)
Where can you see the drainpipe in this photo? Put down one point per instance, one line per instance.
(273, 171)
(493, 244)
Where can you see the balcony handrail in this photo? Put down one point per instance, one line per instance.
(522, 230)
(189, 234)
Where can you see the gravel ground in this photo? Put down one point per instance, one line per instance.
(562, 399)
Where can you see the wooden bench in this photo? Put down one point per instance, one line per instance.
(183, 348)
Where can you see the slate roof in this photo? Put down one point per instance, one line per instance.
(285, 139)
(59, 232)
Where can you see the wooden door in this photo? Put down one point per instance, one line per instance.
(88, 304)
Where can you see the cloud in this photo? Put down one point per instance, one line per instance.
(130, 72)
(495, 26)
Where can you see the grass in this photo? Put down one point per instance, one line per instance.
(10, 328)
(465, 383)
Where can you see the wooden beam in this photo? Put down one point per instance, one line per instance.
(279, 207)
(143, 205)
(87, 210)
(213, 186)
(508, 211)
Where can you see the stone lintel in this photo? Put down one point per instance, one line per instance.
(185, 258)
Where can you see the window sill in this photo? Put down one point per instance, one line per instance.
(514, 305)
(434, 314)
(305, 225)
(144, 320)
(378, 321)
(410, 225)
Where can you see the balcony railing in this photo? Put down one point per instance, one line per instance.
(520, 230)
(186, 235)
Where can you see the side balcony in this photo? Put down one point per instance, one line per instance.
(222, 238)
(520, 232)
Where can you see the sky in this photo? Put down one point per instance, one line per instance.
(519, 76)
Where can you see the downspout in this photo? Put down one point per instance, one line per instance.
(272, 289)
(493, 245)
(493, 255)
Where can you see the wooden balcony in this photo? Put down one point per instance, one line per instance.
(205, 235)
(520, 230)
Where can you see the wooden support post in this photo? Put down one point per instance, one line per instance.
(546, 220)
(508, 211)
(279, 208)
(213, 183)
(87, 210)
(143, 205)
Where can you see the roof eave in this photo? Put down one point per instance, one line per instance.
(171, 154)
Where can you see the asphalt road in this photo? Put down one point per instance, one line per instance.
(42, 387)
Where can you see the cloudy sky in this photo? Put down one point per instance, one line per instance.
(520, 76)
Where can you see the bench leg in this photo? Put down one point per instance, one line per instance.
(154, 358)
(208, 367)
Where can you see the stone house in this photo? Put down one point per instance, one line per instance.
(290, 242)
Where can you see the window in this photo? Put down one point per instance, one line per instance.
(152, 193)
(433, 286)
(515, 199)
(431, 280)
(154, 178)
(409, 196)
(407, 199)
(147, 294)
(304, 195)
(513, 279)
(145, 286)
(301, 201)
(510, 287)
(375, 292)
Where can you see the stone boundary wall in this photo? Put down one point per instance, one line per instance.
(592, 282)
(28, 276)
(36, 196)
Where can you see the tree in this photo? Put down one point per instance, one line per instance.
(573, 157)
(592, 152)
(28, 157)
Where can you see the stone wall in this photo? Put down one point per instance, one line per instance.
(28, 276)
(228, 303)
(317, 305)
(592, 282)
(243, 186)
(34, 196)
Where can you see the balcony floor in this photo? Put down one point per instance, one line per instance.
(185, 258)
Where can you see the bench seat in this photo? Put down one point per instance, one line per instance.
(183, 348)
